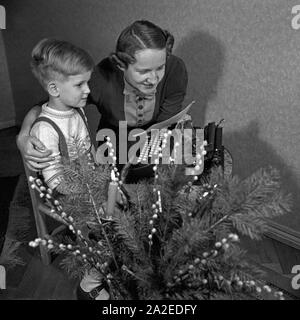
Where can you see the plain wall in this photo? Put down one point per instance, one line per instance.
(7, 115)
(242, 57)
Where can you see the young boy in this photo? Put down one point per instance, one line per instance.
(64, 71)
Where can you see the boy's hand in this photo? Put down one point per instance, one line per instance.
(35, 154)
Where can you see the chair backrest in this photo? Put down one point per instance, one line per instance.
(40, 211)
(39, 216)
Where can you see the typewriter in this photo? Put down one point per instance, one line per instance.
(215, 151)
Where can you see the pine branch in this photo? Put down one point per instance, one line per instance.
(125, 229)
(9, 255)
(176, 247)
(74, 268)
(249, 226)
(103, 229)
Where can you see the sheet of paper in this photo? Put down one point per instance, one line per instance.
(170, 121)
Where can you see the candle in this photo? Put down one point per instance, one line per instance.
(112, 195)
(113, 176)
(2, 278)
(211, 128)
(218, 138)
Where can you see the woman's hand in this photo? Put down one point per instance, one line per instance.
(34, 153)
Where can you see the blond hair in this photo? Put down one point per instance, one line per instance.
(53, 59)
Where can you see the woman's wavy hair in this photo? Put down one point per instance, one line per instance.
(141, 34)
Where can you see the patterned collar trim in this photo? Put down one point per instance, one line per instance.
(57, 113)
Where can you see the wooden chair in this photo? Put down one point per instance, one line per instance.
(41, 211)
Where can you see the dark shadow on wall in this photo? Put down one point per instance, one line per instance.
(204, 58)
(250, 152)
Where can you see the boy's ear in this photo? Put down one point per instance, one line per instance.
(53, 89)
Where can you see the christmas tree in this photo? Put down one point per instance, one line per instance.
(170, 237)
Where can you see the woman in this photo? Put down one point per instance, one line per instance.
(141, 83)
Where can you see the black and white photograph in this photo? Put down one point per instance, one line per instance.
(149, 151)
